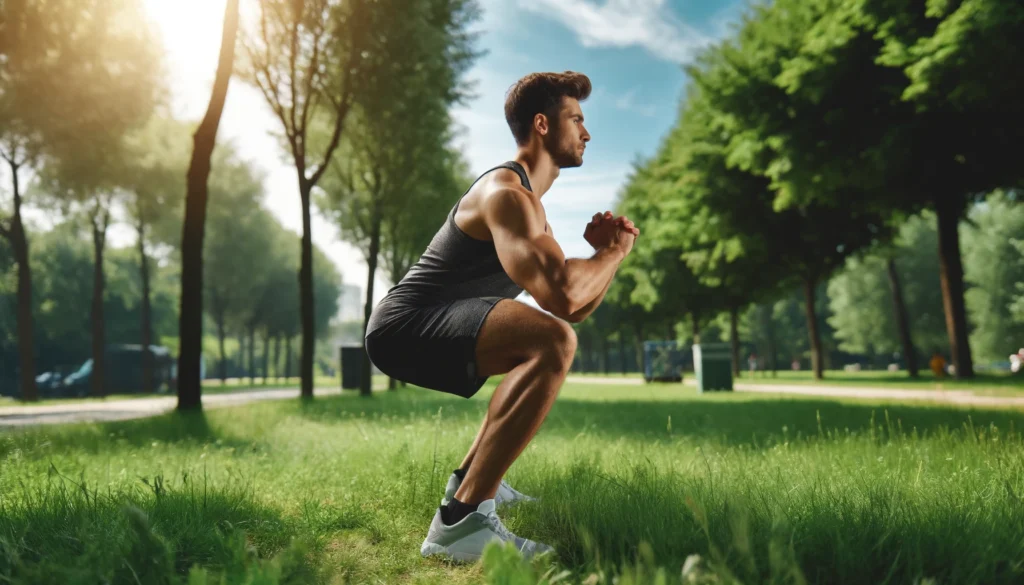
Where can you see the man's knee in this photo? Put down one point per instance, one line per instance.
(559, 346)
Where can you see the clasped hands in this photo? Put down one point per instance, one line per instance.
(607, 230)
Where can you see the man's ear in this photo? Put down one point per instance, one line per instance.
(540, 124)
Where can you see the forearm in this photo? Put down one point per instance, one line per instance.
(587, 279)
(592, 305)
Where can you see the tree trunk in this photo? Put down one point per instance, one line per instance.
(266, 357)
(288, 359)
(902, 320)
(951, 277)
(734, 339)
(252, 355)
(371, 263)
(26, 344)
(146, 314)
(99, 334)
(812, 329)
(190, 319)
(277, 358)
(622, 352)
(241, 356)
(306, 291)
(604, 354)
(221, 334)
(639, 348)
(392, 384)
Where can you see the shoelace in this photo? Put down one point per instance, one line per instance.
(499, 527)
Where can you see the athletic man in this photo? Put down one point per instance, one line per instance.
(452, 322)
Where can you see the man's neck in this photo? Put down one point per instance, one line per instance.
(540, 169)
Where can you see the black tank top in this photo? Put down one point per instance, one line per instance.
(456, 265)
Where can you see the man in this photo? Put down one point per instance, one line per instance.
(452, 322)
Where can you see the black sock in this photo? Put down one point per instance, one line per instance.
(460, 473)
(456, 511)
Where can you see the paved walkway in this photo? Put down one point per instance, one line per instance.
(111, 410)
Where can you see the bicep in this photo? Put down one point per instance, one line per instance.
(528, 253)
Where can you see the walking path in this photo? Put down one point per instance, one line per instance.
(963, 397)
(111, 410)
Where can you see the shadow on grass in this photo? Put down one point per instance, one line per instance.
(63, 532)
(729, 419)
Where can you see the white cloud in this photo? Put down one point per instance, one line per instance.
(649, 24)
(628, 103)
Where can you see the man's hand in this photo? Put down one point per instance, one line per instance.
(603, 229)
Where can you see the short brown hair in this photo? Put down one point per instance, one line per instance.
(540, 93)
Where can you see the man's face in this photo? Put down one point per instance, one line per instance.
(567, 137)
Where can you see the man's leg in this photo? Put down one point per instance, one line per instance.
(535, 350)
(468, 459)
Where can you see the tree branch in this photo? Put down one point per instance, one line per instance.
(297, 8)
(342, 108)
(311, 72)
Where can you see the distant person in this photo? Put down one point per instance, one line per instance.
(795, 365)
(937, 365)
(752, 362)
(452, 321)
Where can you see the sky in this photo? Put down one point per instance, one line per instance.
(632, 50)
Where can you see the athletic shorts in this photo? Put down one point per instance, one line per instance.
(430, 346)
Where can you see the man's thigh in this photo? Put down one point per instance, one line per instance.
(514, 332)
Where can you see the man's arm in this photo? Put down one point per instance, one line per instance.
(585, 312)
(534, 260)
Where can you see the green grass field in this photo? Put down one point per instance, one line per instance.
(633, 481)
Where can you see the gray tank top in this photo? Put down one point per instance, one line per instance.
(456, 265)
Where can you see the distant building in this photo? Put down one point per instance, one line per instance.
(350, 304)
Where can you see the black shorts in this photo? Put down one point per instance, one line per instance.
(430, 346)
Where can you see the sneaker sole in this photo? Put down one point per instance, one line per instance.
(431, 549)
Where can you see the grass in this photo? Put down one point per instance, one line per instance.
(633, 480)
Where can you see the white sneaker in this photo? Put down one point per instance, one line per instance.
(506, 495)
(465, 540)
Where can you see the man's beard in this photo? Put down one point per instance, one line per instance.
(563, 156)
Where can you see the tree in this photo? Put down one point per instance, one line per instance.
(994, 269)
(307, 58)
(740, 114)
(70, 71)
(924, 71)
(861, 296)
(190, 328)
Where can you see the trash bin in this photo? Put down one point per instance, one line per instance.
(663, 361)
(351, 366)
(712, 366)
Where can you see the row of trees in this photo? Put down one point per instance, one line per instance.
(808, 137)
(361, 90)
(250, 285)
(855, 309)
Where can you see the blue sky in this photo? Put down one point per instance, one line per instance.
(632, 50)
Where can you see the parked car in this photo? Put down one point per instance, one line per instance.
(123, 371)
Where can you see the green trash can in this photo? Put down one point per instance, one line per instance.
(712, 366)
(351, 367)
